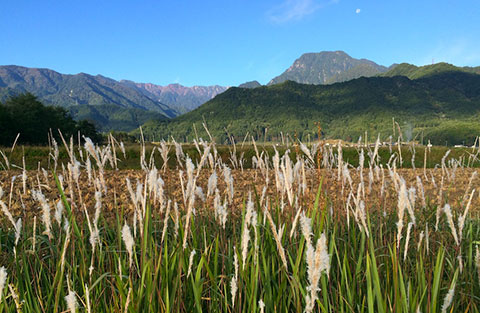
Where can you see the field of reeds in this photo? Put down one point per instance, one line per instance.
(305, 228)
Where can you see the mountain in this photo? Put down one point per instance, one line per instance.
(251, 84)
(444, 108)
(414, 72)
(180, 98)
(328, 67)
(97, 93)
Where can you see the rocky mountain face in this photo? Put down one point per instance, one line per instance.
(110, 104)
(64, 90)
(182, 99)
(328, 67)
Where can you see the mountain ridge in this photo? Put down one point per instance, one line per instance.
(449, 101)
(321, 68)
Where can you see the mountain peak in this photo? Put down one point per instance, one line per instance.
(327, 67)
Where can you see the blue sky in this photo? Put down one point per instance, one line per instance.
(228, 42)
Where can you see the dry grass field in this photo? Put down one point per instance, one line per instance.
(309, 232)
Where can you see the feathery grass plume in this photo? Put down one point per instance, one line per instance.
(307, 152)
(164, 149)
(420, 239)
(59, 212)
(5, 210)
(318, 261)
(402, 205)
(261, 306)
(212, 183)
(165, 220)
(191, 198)
(277, 235)
(220, 210)
(227, 175)
(190, 262)
(177, 219)
(234, 281)
(249, 217)
(286, 166)
(421, 191)
(276, 168)
(199, 193)
(444, 167)
(179, 153)
(295, 222)
(439, 204)
(409, 229)
(87, 299)
(412, 195)
(66, 228)
(461, 218)
(71, 300)
(38, 196)
(3, 280)
(448, 212)
(470, 181)
(129, 242)
(339, 161)
(447, 301)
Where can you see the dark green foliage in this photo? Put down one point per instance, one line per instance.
(422, 107)
(26, 115)
(414, 72)
(108, 117)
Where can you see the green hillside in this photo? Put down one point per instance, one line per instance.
(414, 72)
(442, 107)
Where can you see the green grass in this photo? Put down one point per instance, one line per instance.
(38, 156)
(368, 274)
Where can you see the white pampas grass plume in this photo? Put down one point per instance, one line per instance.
(461, 218)
(165, 220)
(318, 261)
(409, 229)
(129, 242)
(58, 212)
(190, 262)
(277, 235)
(295, 222)
(447, 301)
(38, 196)
(261, 306)
(71, 300)
(3, 280)
(212, 184)
(233, 282)
(448, 213)
(227, 174)
(246, 232)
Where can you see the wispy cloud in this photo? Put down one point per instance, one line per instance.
(294, 10)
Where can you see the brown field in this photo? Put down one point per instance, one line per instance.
(117, 197)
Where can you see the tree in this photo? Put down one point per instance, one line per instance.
(26, 115)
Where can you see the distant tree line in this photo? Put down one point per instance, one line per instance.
(24, 114)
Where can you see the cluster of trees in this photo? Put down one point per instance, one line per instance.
(24, 114)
